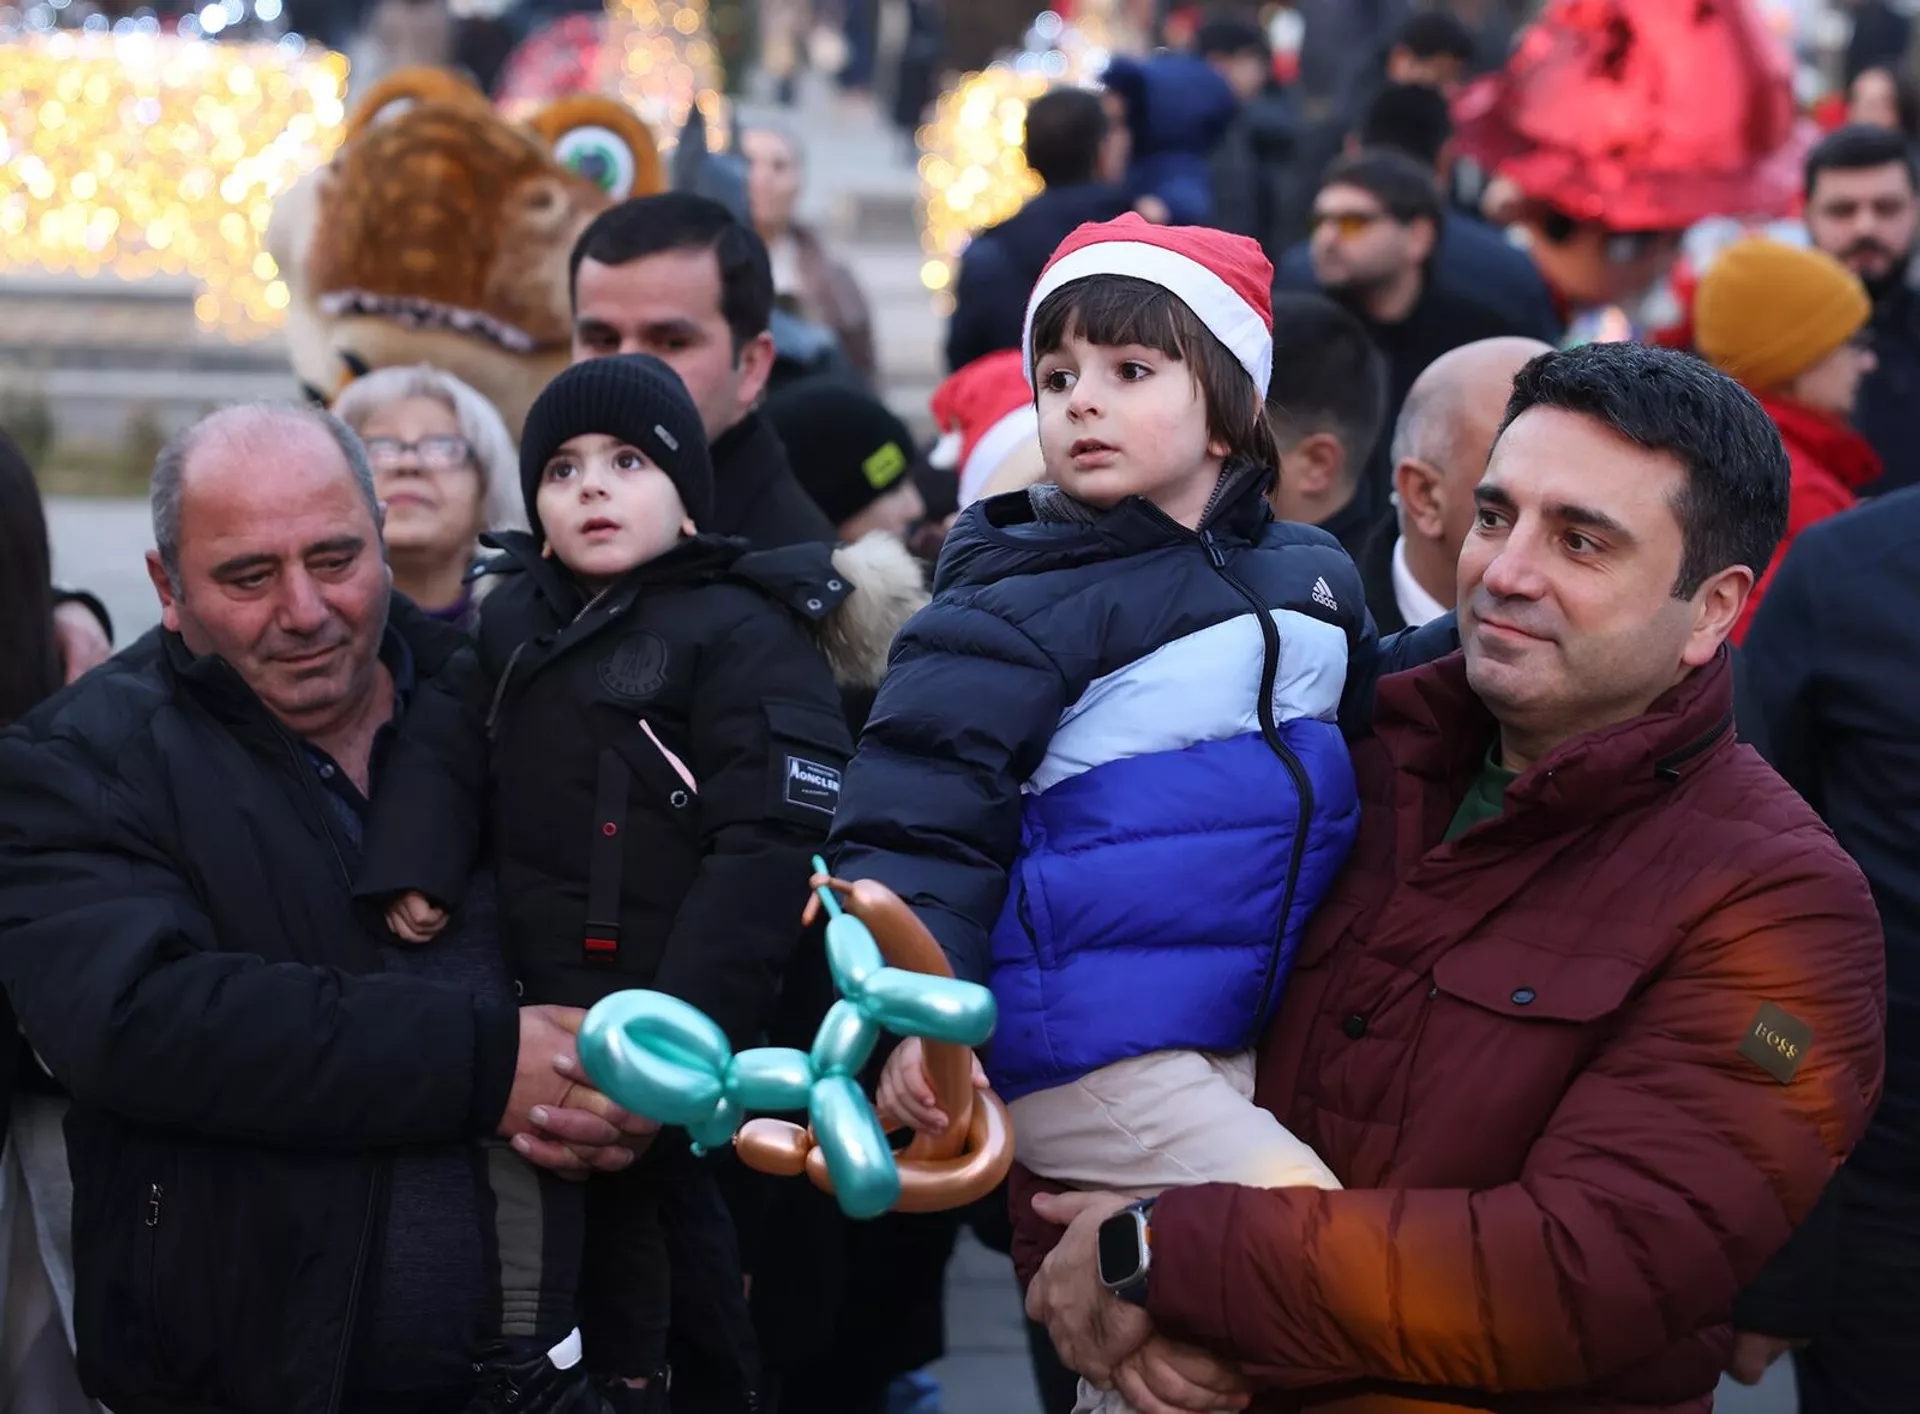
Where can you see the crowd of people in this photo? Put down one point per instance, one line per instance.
(1432, 800)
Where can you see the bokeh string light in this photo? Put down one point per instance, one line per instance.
(656, 56)
(972, 172)
(141, 155)
(667, 65)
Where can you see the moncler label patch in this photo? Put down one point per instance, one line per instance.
(811, 785)
(1777, 1042)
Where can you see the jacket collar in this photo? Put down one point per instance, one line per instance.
(413, 645)
(746, 458)
(1828, 442)
(1435, 728)
(1015, 524)
(698, 557)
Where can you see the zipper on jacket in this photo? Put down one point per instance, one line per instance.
(500, 688)
(1270, 731)
(513, 659)
(1668, 767)
(155, 1194)
(339, 1390)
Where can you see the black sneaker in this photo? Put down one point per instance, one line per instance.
(510, 1379)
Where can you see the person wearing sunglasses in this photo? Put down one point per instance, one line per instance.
(1376, 224)
(445, 469)
(1792, 326)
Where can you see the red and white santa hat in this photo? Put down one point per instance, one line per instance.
(984, 412)
(1227, 281)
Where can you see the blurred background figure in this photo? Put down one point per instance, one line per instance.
(807, 279)
(1328, 402)
(1884, 97)
(1787, 324)
(36, 1193)
(445, 469)
(1440, 446)
(1376, 225)
(1068, 145)
(1864, 211)
(853, 456)
(1255, 167)
(990, 433)
(1470, 254)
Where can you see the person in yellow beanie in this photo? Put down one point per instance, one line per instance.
(1788, 323)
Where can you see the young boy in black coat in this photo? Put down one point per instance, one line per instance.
(664, 751)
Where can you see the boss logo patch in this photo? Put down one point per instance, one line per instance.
(636, 668)
(1777, 1042)
(811, 785)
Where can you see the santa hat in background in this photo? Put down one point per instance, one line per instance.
(1227, 281)
(984, 412)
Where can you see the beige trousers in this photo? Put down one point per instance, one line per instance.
(1166, 1120)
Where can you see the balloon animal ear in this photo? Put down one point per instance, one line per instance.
(604, 141)
(406, 88)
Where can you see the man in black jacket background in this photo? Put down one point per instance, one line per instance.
(1831, 688)
(1080, 153)
(679, 277)
(276, 1110)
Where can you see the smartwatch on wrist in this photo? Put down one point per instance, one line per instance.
(1126, 1252)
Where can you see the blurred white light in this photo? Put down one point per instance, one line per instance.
(268, 10)
(213, 19)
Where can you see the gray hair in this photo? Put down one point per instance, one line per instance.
(169, 469)
(480, 423)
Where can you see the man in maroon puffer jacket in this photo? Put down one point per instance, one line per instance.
(1591, 1015)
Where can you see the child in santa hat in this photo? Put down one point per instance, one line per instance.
(1106, 767)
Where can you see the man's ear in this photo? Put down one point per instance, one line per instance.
(1316, 464)
(1423, 498)
(1716, 609)
(756, 367)
(1425, 234)
(169, 607)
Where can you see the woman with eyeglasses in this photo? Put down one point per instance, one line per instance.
(445, 468)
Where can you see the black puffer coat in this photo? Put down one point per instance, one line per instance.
(178, 936)
(665, 760)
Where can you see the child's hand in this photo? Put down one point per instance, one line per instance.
(905, 1092)
(414, 919)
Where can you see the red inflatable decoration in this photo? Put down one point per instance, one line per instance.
(1642, 115)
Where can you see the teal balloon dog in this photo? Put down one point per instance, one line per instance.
(659, 1057)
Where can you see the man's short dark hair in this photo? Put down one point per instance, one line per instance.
(1065, 129)
(1734, 508)
(1856, 148)
(677, 220)
(1436, 34)
(1409, 118)
(1327, 376)
(1395, 180)
(1223, 36)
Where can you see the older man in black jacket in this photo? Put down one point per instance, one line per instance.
(277, 1111)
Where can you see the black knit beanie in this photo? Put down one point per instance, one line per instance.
(634, 397)
(846, 448)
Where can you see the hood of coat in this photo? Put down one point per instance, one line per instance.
(889, 587)
(1040, 528)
